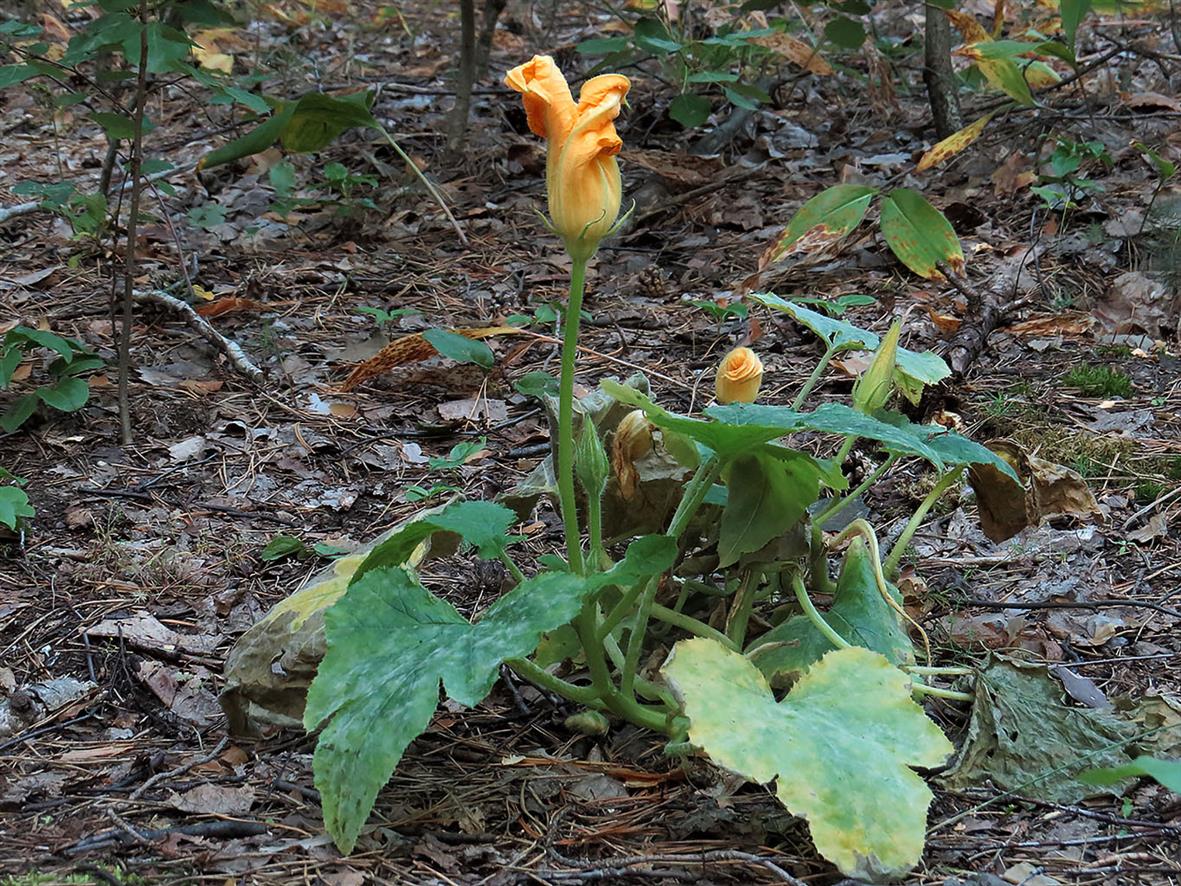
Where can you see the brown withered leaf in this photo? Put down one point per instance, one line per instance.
(1046, 490)
(228, 305)
(1013, 175)
(797, 52)
(410, 349)
(686, 170)
(1053, 324)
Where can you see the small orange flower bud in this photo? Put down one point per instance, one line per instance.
(739, 376)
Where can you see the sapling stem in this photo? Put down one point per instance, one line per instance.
(694, 626)
(890, 566)
(830, 634)
(813, 379)
(566, 495)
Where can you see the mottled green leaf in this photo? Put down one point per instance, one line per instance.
(391, 643)
(919, 234)
(839, 747)
(858, 613)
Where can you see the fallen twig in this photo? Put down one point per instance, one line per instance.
(179, 770)
(204, 328)
(607, 868)
(216, 829)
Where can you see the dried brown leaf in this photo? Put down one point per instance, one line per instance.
(410, 349)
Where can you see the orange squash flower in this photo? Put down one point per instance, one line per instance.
(581, 172)
(739, 377)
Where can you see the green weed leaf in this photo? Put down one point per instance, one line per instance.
(460, 348)
(1165, 772)
(18, 413)
(14, 506)
(690, 110)
(839, 747)
(837, 211)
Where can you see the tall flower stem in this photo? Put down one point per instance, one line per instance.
(566, 496)
(813, 379)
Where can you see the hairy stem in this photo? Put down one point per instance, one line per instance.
(694, 626)
(830, 634)
(841, 503)
(890, 566)
(694, 494)
(539, 676)
(739, 615)
(923, 689)
(566, 495)
(813, 379)
(594, 527)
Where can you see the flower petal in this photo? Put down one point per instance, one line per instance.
(549, 106)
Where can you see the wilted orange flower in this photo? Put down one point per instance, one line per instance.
(581, 173)
(739, 376)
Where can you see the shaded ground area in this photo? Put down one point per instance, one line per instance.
(143, 563)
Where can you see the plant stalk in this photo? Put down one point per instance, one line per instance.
(694, 626)
(890, 567)
(566, 493)
(830, 634)
(813, 379)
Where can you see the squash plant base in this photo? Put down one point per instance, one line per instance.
(839, 747)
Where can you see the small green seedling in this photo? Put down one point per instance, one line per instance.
(66, 392)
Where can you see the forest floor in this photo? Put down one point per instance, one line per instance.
(142, 565)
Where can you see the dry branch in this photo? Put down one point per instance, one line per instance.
(232, 350)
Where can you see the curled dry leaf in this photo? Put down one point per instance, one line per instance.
(410, 349)
(1046, 490)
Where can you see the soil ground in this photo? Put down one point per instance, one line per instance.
(172, 525)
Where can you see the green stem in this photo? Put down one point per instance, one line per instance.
(797, 585)
(426, 182)
(818, 562)
(694, 494)
(890, 566)
(813, 379)
(594, 528)
(844, 451)
(739, 616)
(841, 503)
(694, 626)
(566, 495)
(513, 568)
(923, 689)
(691, 498)
(539, 676)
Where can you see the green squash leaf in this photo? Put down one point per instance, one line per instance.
(390, 645)
(483, 524)
(839, 747)
(765, 498)
(858, 613)
(830, 418)
(919, 234)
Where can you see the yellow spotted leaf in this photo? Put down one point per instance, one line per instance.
(953, 144)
